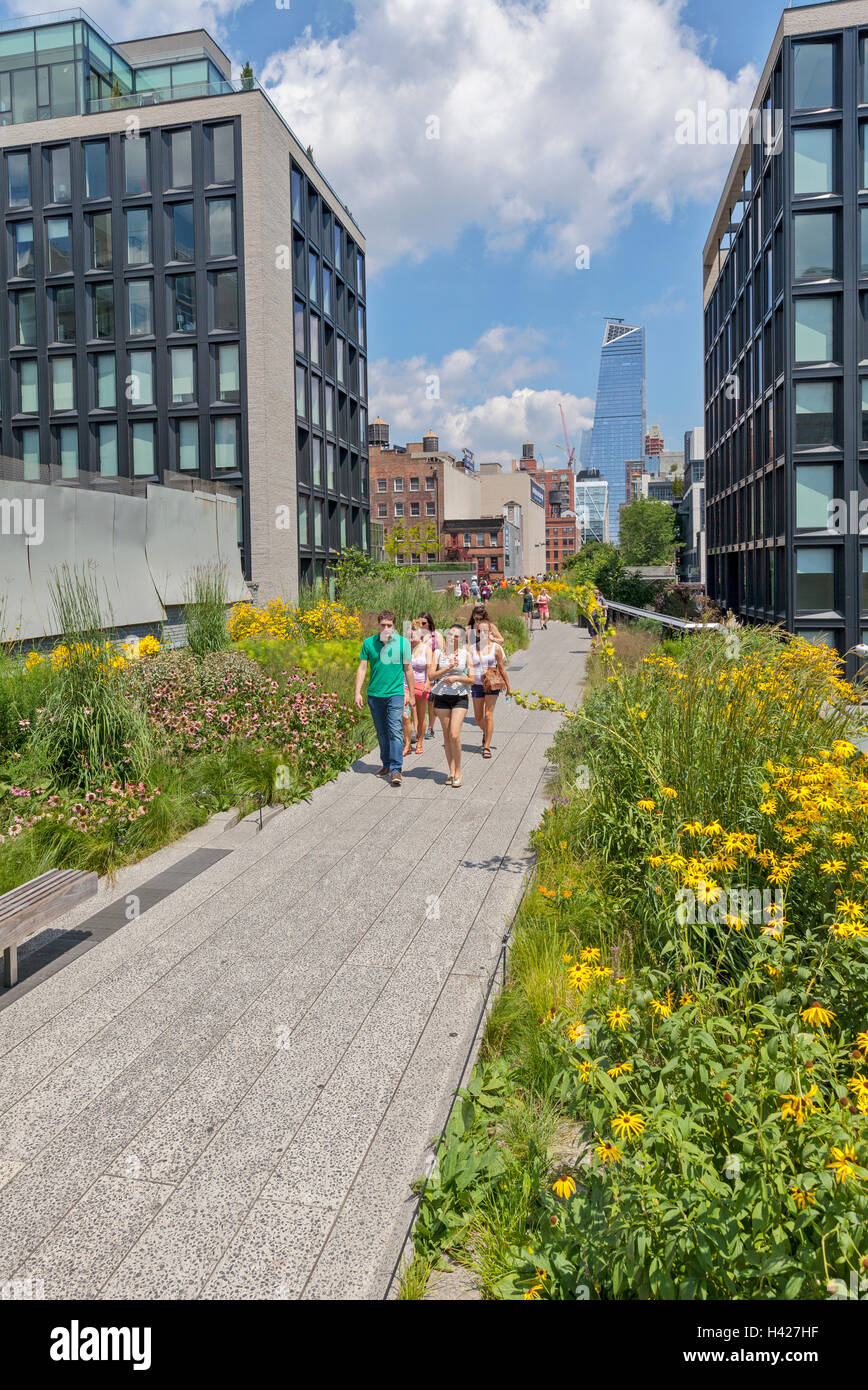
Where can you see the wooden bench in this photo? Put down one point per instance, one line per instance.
(26, 910)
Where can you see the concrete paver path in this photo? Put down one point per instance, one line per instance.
(229, 1096)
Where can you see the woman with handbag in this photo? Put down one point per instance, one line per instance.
(489, 678)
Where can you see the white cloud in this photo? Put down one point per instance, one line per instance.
(555, 121)
(493, 373)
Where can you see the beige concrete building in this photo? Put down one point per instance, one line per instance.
(187, 292)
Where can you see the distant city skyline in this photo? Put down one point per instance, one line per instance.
(620, 417)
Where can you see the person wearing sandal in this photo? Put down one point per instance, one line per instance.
(486, 656)
(420, 648)
(450, 681)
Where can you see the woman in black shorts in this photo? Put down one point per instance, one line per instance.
(450, 682)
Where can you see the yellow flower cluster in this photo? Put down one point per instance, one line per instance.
(109, 657)
(326, 621)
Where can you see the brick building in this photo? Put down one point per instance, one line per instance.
(491, 545)
(413, 489)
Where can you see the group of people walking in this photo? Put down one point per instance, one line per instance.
(430, 677)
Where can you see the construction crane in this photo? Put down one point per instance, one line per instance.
(570, 452)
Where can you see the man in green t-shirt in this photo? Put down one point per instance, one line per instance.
(388, 656)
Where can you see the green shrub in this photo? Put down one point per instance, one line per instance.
(205, 610)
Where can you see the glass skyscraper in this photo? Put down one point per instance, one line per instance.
(619, 418)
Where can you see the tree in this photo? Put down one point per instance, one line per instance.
(647, 532)
(247, 77)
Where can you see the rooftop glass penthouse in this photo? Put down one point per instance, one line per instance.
(62, 64)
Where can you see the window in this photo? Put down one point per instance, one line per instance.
(399, 509)
(814, 250)
(363, 377)
(104, 310)
(330, 408)
(326, 290)
(62, 383)
(28, 443)
(68, 451)
(183, 363)
(140, 382)
(300, 391)
(399, 484)
(180, 159)
(188, 445)
(480, 538)
(318, 511)
(814, 324)
(360, 272)
(226, 300)
(64, 314)
(815, 489)
(815, 413)
(136, 178)
(430, 484)
(59, 179)
(182, 289)
(414, 509)
(18, 180)
(414, 484)
(331, 478)
(96, 169)
(382, 509)
(221, 227)
(144, 465)
(298, 325)
(296, 195)
(138, 224)
(303, 520)
(430, 509)
(28, 387)
(864, 410)
(141, 318)
(338, 245)
(814, 76)
(381, 485)
(22, 233)
(315, 382)
(58, 233)
(107, 450)
(314, 338)
(226, 442)
(361, 318)
(340, 355)
(815, 579)
(228, 372)
(100, 241)
(467, 539)
(223, 153)
(312, 277)
(105, 381)
(182, 232)
(813, 160)
(316, 461)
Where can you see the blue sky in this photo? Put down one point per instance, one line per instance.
(555, 124)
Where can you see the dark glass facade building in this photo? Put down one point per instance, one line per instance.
(331, 382)
(619, 413)
(786, 347)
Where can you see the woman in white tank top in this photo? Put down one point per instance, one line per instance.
(485, 655)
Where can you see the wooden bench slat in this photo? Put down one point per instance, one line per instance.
(36, 905)
(53, 882)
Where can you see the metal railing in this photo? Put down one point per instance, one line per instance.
(679, 624)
